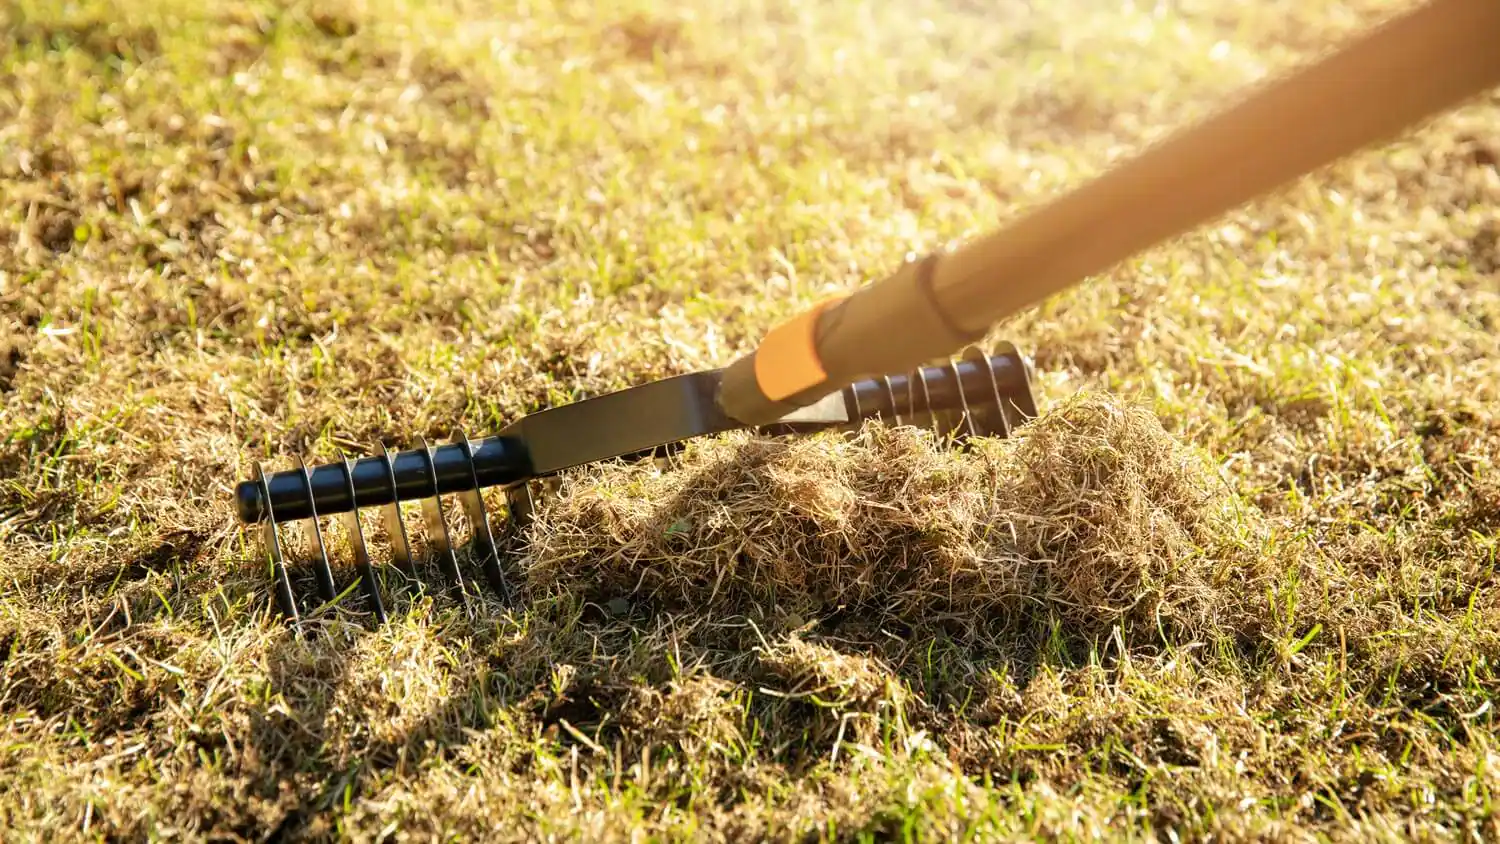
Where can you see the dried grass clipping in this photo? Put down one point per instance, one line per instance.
(1093, 515)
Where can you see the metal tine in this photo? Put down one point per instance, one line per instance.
(285, 597)
(437, 529)
(664, 460)
(326, 587)
(357, 542)
(859, 412)
(521, 507)
(1023, 402)
(921, 378)
(890, 396)
(484, 539)
(395, 526)
(958, 384)
(1002, 422)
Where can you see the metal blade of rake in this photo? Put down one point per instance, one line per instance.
(285, 596)
(484, 540)
(361, 553)
(395, 526)
(437, 530)
(327, 590)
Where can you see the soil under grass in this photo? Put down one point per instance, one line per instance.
(1236, 583)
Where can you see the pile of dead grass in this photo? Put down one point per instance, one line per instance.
(1092, 516)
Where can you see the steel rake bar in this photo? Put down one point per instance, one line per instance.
(977, 394)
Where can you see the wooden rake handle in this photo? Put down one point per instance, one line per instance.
(1380, 84)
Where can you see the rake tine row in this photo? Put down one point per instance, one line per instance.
(975, 395)
(441, 545)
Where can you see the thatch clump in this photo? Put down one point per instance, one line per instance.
(1094, 514)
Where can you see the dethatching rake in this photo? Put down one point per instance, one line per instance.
(823, 368)
(977, 394)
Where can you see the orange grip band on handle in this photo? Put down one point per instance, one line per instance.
(787, 360)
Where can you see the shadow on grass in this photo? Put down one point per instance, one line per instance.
(581, 679)
(323, 742)
(617, 674)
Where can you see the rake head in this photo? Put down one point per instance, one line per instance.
(977, 394)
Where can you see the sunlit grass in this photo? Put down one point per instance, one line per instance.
(1238, 582)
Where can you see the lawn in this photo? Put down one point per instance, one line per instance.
(1236, 582)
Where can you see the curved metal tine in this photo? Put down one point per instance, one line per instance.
(890, 396)
(521, 504)
(663, 457)
(285, 598)
(437, 529)
(911, 395)
(357, 542)
(479, 521)
(1023, 402)
(958, 385)
(395, 526)
(326, 587)
(1001, 425)
(921, 378)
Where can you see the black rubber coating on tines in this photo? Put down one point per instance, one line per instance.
(387, 477)
(975, 395)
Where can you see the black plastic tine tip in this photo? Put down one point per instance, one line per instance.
(286, 599)
(368, 581)
(321, 567)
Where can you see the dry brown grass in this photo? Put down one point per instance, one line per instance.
(1237, 583)
(1094, 516)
